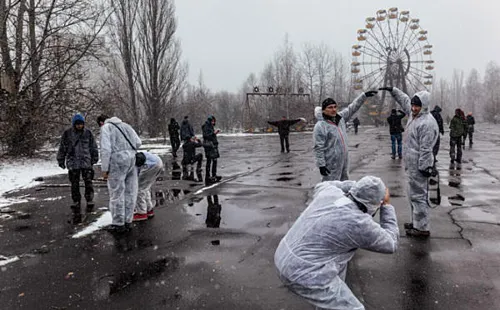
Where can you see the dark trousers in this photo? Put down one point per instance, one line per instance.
(176, 143)
(435, 149)
(211, 163)
(456, 144)
(355, 129)
(74, 178)
(471, 133)
(198, 159)
(284, 141)
(399, 139)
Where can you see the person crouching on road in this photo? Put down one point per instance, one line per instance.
(190, 157)
(312, 258)
(421, 135)
(147, 178)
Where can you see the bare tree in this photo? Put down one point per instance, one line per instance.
(492, 92)
(473, 92)
(124, 38)
(159, 69)
(44, 45)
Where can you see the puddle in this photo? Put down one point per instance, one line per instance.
(284, 179)
(215, 211)
(141, 272)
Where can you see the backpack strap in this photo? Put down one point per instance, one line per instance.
(125, 136)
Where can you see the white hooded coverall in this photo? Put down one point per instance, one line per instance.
(147, 177)
(419, 138)
(330, 141)
(118, 159)
(312, 257)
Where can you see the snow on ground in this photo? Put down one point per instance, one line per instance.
(7, 260)
(103, 221)
(18, 175)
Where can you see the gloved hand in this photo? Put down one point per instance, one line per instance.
(62, 165)
(388, 88)
(324, 171)
(371, 93)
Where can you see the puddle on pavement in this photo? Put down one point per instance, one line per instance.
(140, 273)
(215, 211)
(481, 215)
(284, 179)
(283, 173)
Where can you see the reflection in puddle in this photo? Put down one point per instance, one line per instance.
(140, 272)
(284, 179)
(209, 211)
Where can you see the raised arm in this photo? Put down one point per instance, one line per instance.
(353, 107)
(383, 237)
(403, 100)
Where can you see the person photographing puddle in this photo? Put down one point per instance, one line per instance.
(312, 257)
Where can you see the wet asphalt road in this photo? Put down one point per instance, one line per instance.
(214, 249)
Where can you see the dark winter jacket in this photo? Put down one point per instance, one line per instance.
(436, 112)
(394, 121)
(471, 122)
(210, 143)
(78, 149)
(355, 122)
(187, 131)
(284, 125)
(173, 129)
(189, 151)
(457, 128)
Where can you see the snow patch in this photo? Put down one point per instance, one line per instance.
(7, 260)
(20, 175)
(53, 198)
(103, 221)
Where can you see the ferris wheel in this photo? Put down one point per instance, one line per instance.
(392, 50)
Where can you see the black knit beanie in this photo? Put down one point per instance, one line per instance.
(327, 102)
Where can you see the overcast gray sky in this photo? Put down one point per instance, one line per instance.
(229, 39)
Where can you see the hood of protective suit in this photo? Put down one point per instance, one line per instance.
(369, 191)
(114, 120)
(318, 113)
(425, 98)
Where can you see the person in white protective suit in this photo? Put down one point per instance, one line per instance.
(147, 177)
(420, 136)
(312, 257)
(330, 137)
(119, 143)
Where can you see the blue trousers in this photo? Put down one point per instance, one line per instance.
(399, 139)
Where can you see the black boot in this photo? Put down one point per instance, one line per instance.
(77, 214)
(90, 207)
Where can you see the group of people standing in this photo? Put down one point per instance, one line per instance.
(190, 143)
(130, 174)
(460, 128)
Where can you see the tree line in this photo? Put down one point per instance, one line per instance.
(123, 58)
